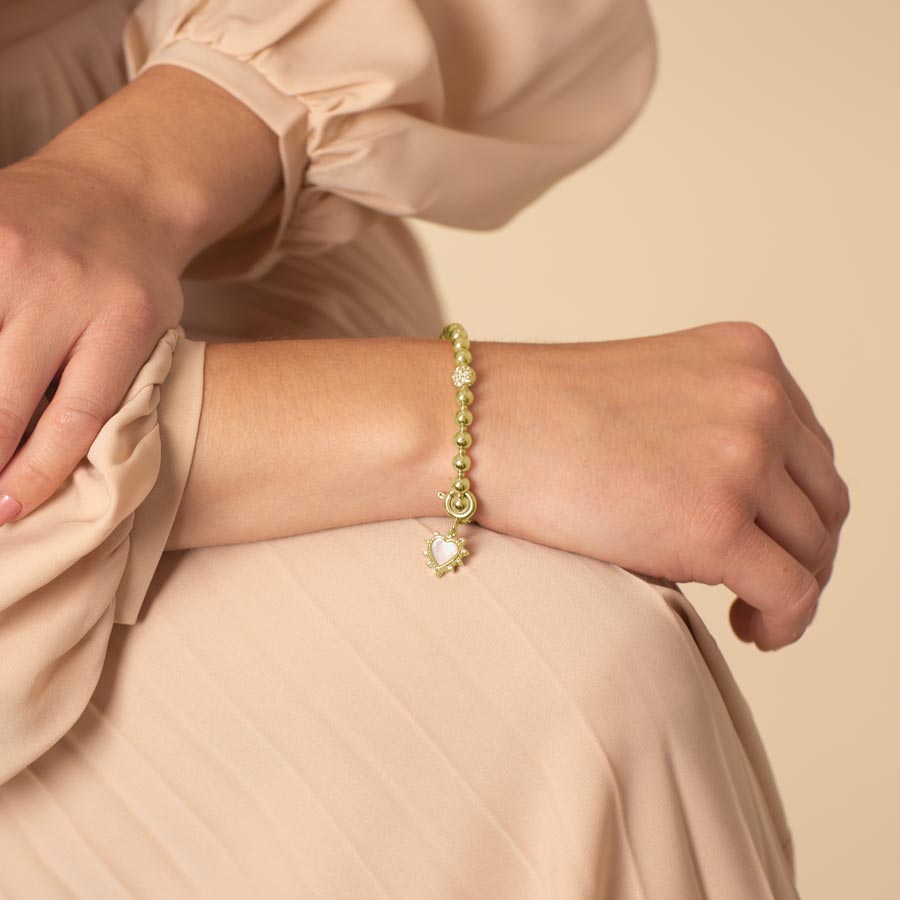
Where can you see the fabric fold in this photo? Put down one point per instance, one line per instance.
(461, 114)
(84, 559)
(178, 418)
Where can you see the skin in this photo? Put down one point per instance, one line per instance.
(692, 455)
(126, 197)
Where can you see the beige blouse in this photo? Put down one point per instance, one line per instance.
(460, 112)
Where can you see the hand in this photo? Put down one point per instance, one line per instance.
(85, 294)
(96, 230)
(694, 456)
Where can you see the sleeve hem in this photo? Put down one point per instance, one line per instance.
(286, 115)
(178, 418)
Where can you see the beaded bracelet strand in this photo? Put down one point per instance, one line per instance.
(443, 552)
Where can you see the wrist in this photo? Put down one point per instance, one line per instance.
(191, 161)
(496, 414)
(494, 404)
(169, 213)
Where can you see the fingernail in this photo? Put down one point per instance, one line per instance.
(9, 508)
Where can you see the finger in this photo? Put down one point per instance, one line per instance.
(775, 591)
(803, 407)
(29, 428)
(788, 516)
(25, 372)
(820, 480)
(741, 614)
(811, 465)
(89, 392)
(823, 576)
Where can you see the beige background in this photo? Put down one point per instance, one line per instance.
(759, 183)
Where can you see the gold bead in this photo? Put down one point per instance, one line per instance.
(453, 331)
(462, 462)
(463, 357)
(459, 503)
(462, 439)
(464, 417)
(464, 396)
(461, 343)
(461, 484)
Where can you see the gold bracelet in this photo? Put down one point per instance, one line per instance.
(444, 552)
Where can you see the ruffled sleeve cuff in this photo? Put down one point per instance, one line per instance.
(84, 559)
(252, 248)
(460, 113)
(178, 362)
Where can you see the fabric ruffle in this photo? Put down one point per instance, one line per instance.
(456, 113)
(84, 560)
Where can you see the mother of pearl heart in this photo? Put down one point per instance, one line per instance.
(443, 550)
(444, 553)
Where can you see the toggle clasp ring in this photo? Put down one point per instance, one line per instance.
(467, 508)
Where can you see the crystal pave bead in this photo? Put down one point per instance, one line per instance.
(463, 376)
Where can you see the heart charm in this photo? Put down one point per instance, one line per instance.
(443, 552)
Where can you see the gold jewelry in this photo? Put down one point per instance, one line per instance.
(443, 552)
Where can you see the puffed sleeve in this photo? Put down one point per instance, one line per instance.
(460, 112)
(84, 559)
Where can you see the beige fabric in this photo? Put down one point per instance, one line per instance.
(318, 716)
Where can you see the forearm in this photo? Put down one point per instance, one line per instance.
(194, 161)
(294, 436)
(303, 435)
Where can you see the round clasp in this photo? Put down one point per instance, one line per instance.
(469, 504)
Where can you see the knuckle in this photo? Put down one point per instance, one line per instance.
(752, 341)
(138, 305)
(744, 454)
(72, 429)
(762, 393)
(78, 420)
(69, 267)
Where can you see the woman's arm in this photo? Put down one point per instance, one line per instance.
(302, 435)
(692, 455)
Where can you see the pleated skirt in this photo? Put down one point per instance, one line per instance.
(320, 717)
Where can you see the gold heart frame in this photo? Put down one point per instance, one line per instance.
(448, 565)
